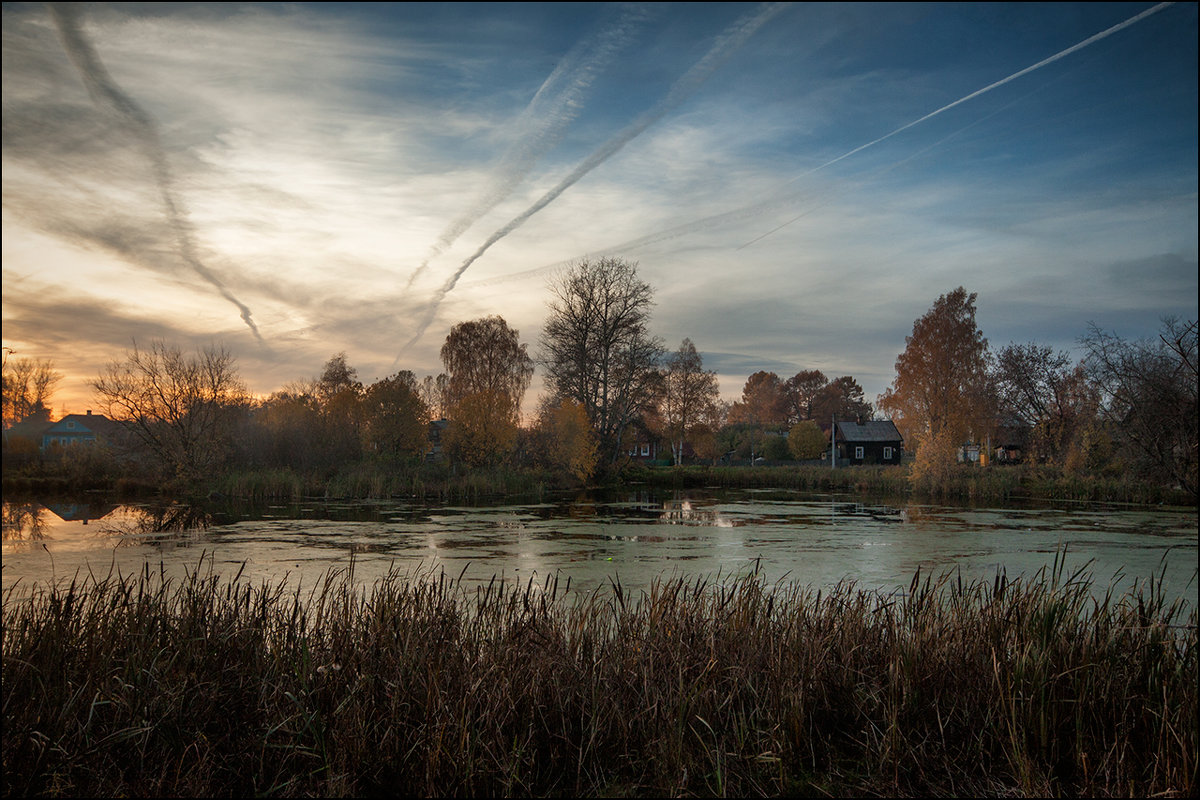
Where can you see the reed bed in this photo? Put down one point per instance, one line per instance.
(417, 684)
(372, 480)
(971, 483)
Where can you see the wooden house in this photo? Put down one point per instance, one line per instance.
(870, 442)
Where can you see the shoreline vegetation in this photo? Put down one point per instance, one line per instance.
(439, 482)
(149, 685)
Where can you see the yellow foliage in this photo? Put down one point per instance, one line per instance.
(935, 460)
(482, 429)
(571, 442)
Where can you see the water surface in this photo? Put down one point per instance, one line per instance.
(631, 537)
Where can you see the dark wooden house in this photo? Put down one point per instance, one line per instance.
(871, 442)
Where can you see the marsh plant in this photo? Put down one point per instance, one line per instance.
(420, 684)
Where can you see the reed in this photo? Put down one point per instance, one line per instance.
(962, 482)
(417, 684)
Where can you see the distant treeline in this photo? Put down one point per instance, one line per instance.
(615, 397)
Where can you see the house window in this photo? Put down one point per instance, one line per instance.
(887, 453)
(646, 449)
(70, 424)
(858, 453)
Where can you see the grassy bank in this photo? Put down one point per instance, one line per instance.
(148, 686)
(994, 484)
(444, 482)
(369, 480)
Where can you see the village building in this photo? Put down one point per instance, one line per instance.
(870, 442)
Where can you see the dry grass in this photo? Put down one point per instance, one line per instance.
(150, 686)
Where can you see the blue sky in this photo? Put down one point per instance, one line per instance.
(295, 180)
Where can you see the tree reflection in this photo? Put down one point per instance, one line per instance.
(23, 522)
(173, 518)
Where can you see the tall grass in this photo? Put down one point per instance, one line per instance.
(378, 480)
(961, 482)
(147, 685)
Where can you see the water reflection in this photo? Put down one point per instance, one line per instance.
(33, 521)
(24, 522)
(173, 518)
(594, 538)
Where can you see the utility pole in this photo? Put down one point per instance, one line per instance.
(833, 441)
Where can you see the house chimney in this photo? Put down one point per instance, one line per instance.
(89, 413)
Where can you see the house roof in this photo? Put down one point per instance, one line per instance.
(27, 430)
(84, 423)
(877, 430)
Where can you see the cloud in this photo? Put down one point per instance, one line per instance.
(726, 44)
(142, 128)
(557, 103)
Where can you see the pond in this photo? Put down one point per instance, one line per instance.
(592, 540)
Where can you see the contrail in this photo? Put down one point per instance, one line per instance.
(725, 46)
(749, 211)
(756, 208)
(106, 93)
(1104, 34)
(828, 197)
(557, 108)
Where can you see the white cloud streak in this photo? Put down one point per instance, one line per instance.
(726, 45)
(141, 126)
(752, 210)
(557, 103)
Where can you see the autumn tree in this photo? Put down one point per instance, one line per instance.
(339, 396)
(597, 348)
(1149, 391)
(800, 392)
(705, 434)
(488, 371)
(762, 407)
(28, 388)
(763, 402)
(941, 386)
(842, 398)
(1046, 392)
(689, 394)
(395, 418)
(181, 408)
(807, 441)
(287, 431)
(568, 439)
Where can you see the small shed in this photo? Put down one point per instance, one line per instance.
(871, 442)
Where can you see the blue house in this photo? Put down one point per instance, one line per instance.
(76, 429)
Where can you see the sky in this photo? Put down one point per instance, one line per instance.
(798, 183)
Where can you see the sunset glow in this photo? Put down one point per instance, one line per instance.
(797, 183)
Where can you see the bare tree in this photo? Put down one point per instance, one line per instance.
(28, 386)
(1046, 392)
(1149, 391)
(689, 395)
(597, 348)
(433, 392)
(182, 409)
